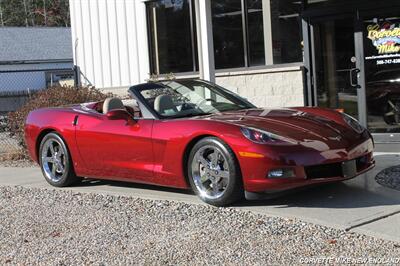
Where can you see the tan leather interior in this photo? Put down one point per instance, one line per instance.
(112, 104)
(164, 103)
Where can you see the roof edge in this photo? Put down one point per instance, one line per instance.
(21, 62)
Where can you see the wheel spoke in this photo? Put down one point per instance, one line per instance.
(223, 174)
(389, 113)
(393, 106)
(204, 178)
(214, 159)
(60, 167)
(215, 187)
(51, 148)
(53, 169)
(223, 183)
(59, 156)
(47, 160)
(203, 161)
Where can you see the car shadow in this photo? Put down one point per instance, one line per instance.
(121, 184)
(338, 196)
(360, 192)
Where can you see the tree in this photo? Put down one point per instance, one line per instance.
(1, 15)
(12, 13)
(51, 13)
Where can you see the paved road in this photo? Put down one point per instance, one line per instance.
(359, 205)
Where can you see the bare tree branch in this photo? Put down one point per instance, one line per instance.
(1, 14)
(45, 12)
(51, 13)
(26, 14)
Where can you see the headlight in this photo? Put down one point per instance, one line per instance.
(264, 137)
(353, 123)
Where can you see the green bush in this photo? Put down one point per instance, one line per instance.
(51, 97)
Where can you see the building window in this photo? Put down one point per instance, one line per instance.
(172, 36)
(286, 31)
(238, 33)
(255, 28)
(228, 33)
(60, 78)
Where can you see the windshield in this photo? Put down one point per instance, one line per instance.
(186, 98)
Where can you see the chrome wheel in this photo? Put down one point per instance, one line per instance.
(210, 172)
(54, 160)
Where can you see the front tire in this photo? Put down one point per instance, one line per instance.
(214, 172)
(55, 161)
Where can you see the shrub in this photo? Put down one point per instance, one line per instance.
(4, 123)
(51, 97)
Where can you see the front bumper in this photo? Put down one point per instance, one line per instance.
(311, 167)
(277, 187)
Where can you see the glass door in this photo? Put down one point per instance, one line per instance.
(382, 72)
(355, 65)
(335, 65)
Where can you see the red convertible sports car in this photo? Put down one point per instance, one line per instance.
(191, 133)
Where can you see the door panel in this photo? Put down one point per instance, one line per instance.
(113, 149)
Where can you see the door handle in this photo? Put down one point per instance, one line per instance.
(75, 122)
(354, 78)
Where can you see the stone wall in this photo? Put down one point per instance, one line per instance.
(275, 87)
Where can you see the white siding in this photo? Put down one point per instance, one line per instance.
(112, 53)
(104, 42)
(98, 76)
(110, 42)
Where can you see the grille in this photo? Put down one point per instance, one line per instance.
(362, 163)
(333, 169)
(324, 171)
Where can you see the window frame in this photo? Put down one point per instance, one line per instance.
(155, 68)
(195, 49)
(246, 44)
(245, 36)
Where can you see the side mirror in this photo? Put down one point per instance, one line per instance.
(120, 114)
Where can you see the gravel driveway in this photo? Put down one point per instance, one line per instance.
(42, 226)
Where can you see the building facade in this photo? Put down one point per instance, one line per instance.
(340, 54)
(32, 58)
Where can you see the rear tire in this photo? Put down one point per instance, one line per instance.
(214, 172)
(55, 161)
(391, 114)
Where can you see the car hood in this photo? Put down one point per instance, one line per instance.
(297, 125)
